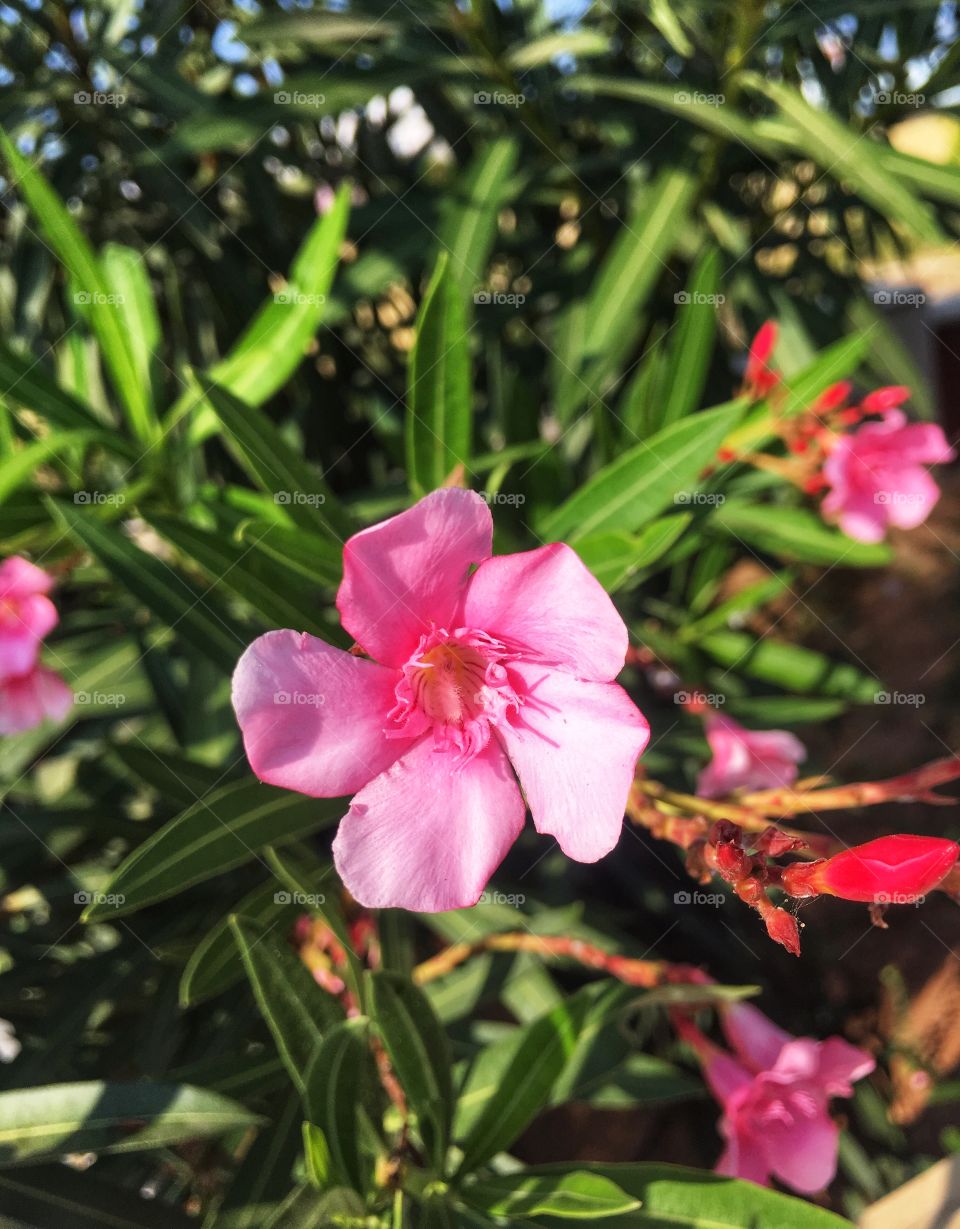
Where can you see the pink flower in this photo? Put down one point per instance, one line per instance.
(26, 615)
(747, 759)
(877, 476)
(775, 1096)
(31, 698)
(475, 675)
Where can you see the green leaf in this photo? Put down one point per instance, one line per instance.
(692, 343)
(125, 271)
(790, 666)
(796, 534)
(95, 1116)
(107, 317)
(217, 833)
(274, 343)
(176, 602)
(616, 558)
(294, 1007)
(675, 1197)
(20, 466)
(637, 257)
(316, 1156)
(468, 226)
(570, 42)
(511, 1081)
(646, 479)
(575, 1195)
(231, 566)
(308, 554)
(263, 1179)
(438, 394)
(214, 965)
(849, 155)
(52, 1196)
(334, 1086)
(276, 468)
(418, 1049)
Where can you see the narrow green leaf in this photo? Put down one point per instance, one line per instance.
(193, 615)
(580, 43)
(796, 534)
(125, 272)
(106, 316)
(52, 1196)
(18, 468)
(616, 558)
(318, 559)
(95, 1116)
(334, 1087)
(468, 226)
(438, 424)
(220, 831)
(791, 666)
(294, 1007)
(575, 1195)
(418, 1049)
(692, 341)
(646, 479)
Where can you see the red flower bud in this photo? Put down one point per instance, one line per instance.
(889, 870)
(783, 929)
(834, 396)
(732, 863)
(887, 398)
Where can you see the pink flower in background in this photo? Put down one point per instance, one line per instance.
(775, 1096)
(876, 474)
(476, 675)
(747, 759)
(26, 615)
(29, 693)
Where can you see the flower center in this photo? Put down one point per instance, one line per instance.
(455, 685)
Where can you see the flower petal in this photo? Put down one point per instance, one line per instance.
(23, 625)
(20, 579)
(841, 1065)
(803, 1153)
(408, 572)
(27, 701)
(428, 833)
(546, 603)
(312, 716)
(575, 746)
(753, 1035)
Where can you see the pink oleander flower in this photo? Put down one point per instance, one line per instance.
(475, 675)
(876, 474)
(747, 759)
(32, 698)
(26, 615)
(775, 1094)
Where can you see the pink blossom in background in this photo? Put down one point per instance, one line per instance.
(26, 615)
(476, 676)
(775, 1092)
(876, 474)
(29, 693)
(747, 759)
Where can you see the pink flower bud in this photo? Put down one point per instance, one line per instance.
(891, 870)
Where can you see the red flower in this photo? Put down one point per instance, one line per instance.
(890, 870)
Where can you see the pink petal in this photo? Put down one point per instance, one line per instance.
(925, 442)
(20, 579)
(803, 1153)
(408, 572)
(727, 1079)
(547, 604)
(747, 759)
(841, 1065)
(753, 1035)
(312, 716)
(744, 1156)
(23, 625)
(575, 747)
(33, 698)
(913, 499)
(429, 832)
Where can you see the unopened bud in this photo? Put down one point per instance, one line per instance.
(783, 929)
(890, 866)
(887, 398)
